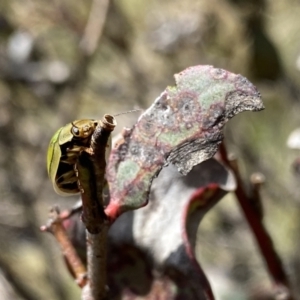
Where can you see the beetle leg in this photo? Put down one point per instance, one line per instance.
(68, 190)
(80, 187)
(75, 149)
(70, 158)
(76, 170)
(68, 177)
(71, 155)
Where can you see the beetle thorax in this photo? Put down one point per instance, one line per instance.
(83, 128)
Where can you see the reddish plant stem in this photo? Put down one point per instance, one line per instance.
(263, 239)
(203, 199)
(256, 180)
(55, 226)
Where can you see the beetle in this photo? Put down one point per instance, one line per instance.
(63, 152)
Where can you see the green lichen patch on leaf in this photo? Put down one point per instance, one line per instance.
(183, 127)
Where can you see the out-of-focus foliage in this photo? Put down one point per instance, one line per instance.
(46, 81)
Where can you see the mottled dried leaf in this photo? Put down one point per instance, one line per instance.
(183, 127)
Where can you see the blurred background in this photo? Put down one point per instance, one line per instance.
(57, 65)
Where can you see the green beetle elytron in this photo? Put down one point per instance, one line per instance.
(63, 152)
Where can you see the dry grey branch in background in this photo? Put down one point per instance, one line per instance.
(94, 26)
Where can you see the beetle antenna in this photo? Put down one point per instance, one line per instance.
(127, 112)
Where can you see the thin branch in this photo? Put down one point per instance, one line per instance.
(282, 288)
(94, 27)
(55, 226)
(91, 172)
(87, 48)
(257, 180)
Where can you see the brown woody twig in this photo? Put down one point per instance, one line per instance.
(91, 172)
(55, 226)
